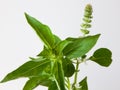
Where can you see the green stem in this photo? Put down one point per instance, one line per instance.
(61, 76)
(69, 85)
(76, 73)
(57, 83)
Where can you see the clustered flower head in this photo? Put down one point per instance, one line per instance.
(87, 19)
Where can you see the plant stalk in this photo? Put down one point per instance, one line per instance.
(68, 84)
(60, 75)
(76, 73)
(57, 83)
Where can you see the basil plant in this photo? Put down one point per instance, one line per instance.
(60, 59)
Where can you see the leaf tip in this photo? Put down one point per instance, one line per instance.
(3, 80)
(26, 15)
(98, 35)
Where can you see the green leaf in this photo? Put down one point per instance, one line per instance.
(57, 40)
(53, 86)
(59, 48)
(83, 84)
(85, 31)
(102, 56)
(35, 81)
(68, 68)
(43, 31)
(45, 53)
(31, 68)
(80, 46)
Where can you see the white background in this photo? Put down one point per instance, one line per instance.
(18, 41)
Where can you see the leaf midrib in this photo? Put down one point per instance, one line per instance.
(36, 66)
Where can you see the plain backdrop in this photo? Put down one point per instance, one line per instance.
(18, 41)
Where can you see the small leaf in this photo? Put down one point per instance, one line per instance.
(44, 53)
(68, 68)
(87, 20)
(43, 31)
(80, 46)
(83, 84)
(85, 31)
(35, 81)
(102, 56)
(85, 25)
(29, 69)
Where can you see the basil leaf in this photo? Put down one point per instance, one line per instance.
(29, 69)
(80, 46)
(83, 84)
(35, 81)
(57, 40)
(59, 48)
(45, 53)
(102, 57)
(53, 86)
(43, 31)
(68, 68)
